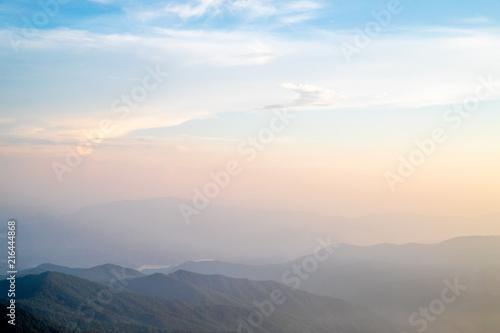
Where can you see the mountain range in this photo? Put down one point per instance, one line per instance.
(382, 286)
(255, 236)
(186, 302)
(395, 280)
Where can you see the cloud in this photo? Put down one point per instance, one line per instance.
(303, 5)
(75, 129)
(259, 8)
(309, 97)
(382, 96)
(186, 11)
(255, 8)
(289, 12)
(443, 71)
(222, 49)
(296, 18)
(475, 20)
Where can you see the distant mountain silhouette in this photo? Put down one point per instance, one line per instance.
(396, 280)
(223, 233)
(219, 303)
(101, 273)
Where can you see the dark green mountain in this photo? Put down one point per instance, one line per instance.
(27, 322)
(201, 304)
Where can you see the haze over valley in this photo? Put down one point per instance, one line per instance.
(249, 166)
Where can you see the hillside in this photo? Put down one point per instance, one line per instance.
(396, 280)
(27, 322)
(57, 297)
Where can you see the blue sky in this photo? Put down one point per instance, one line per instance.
(136, 16)
(230, 65)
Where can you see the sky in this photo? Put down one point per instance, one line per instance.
(111, 100)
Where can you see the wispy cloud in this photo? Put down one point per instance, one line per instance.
(71, 130)
(6, 120)
(255, 8)
(202, 7)
(303, 5)
(475, 20)
(289, 12)
(309, 97)
(194, 54)
(296, 18)
(214, 48)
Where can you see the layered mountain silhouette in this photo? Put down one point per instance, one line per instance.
(231, 234)
(186, 302)
(101, 273)
(355, 289)
(397, 280)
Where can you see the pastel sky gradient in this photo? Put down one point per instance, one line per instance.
(231, 65)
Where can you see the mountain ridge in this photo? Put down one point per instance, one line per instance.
(56, 297)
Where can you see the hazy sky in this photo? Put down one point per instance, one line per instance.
(203, 76)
